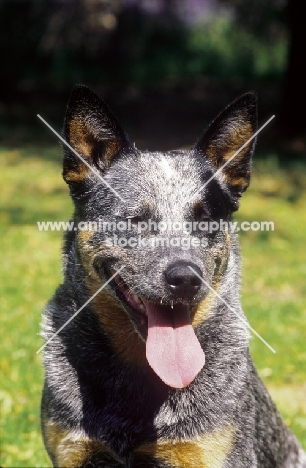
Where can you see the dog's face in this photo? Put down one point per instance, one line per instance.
(153, 215)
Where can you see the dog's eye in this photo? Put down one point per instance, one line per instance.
(136, 219)
(205, 219)
(205, 224)
(200, 214)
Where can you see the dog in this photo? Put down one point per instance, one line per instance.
(147, 362)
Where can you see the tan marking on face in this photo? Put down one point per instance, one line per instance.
(84, 237)
(203, 309)
(124, 339)
(206, 451)
(222, 254)
(70, 448)
(114, 319)
(86, 250)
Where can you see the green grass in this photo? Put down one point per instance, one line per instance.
(273, 288)
(32, 189)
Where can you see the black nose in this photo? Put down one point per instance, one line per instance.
(182, 281)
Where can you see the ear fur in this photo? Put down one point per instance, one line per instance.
(93, 132)
(231, 129)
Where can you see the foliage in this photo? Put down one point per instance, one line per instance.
(70, 42)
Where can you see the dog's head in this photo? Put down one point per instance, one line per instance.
(156, 218)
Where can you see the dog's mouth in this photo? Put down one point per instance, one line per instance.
(124, 292)
(172, 348)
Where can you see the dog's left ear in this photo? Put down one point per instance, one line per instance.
(225, 136)
(93, 132)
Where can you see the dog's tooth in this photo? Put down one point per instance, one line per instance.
(172, 305)
(161, 301)
(141, 307)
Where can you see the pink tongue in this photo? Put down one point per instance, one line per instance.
(173, 350)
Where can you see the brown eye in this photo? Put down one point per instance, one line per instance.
(136, 219)
(200, 214)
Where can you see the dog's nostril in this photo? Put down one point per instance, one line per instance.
(175, 281)
(183, 279)
(195, 281)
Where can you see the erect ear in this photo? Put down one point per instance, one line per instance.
(222, 142)
(93, 132)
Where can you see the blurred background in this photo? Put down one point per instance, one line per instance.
(166, 68)
(189, 57)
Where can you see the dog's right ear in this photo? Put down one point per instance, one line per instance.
(93, 132)
(228, 143)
